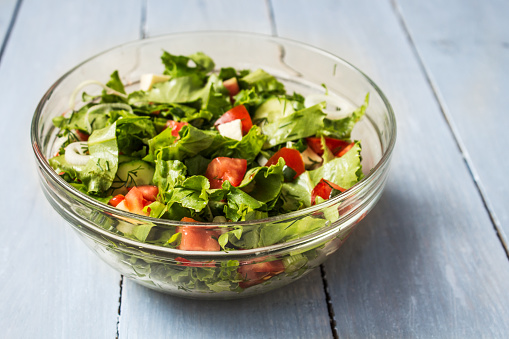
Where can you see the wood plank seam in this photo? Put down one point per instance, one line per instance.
(455, 134)
(121, 285)
(9, 28)
(272, 19)
(143, 23)
(330, 307)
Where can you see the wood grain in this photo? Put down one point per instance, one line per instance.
(426, 262)
(465, 50)
(51, 284)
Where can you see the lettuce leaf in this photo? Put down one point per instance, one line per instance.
(116, 84)
(196, 165)
(300, 124)
(345, 171)
(263, 82)
(184, 89)
(179, 65)
(167, 175)
(211, 97)
(264, 183)
(99, 172)
(288, 230)
(241, 206)
(192, 193)
(192, 141)
(246, 148)
(133, 133)
(297, 194)
(163, 139)
(342, 128)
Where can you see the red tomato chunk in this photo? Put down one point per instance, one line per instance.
(149, 192)
(82, 136)
(237, 112)
(257, 273)
(342, 152)
(196, 238)
(175, 127)
(335, 145)
(292, 157)
(223, 168)
(116, 200)
(324, 189)
(136, 199)
(232, 86)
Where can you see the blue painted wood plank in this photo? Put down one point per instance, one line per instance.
(172, 16)
(426, 262)
(298, 311)
(51, 284)
(465, 49)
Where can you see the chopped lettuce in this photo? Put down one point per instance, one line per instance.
(262, 81)
(345, 171)
(300, 124)
(133, 128)
(342, 128)
(247, 148)
(179, 65)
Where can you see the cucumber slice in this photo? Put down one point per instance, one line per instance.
(134, 173)
(273, 109)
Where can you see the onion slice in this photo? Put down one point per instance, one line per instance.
(75, 153)
(336, 107)
(57, 144)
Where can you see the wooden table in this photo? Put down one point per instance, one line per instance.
(431, 259)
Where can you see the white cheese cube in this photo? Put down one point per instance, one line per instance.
(232, 129)
(261, 160)
(147, 80)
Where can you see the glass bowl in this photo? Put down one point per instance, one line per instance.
(235, 273)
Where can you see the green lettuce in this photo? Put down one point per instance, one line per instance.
(116, 84)
(345, 171)
(192, 193)
(184, 89)
(133, 133)
(342, 128)
(241, 206)
(179, 65)
(264, 183)
(262, 81)
(246, 148)
(288, 230)
(297, 194)
(100, 170)
(167, 175)
(300, 124)
(192, 141)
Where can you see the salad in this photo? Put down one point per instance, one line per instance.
(196, 144)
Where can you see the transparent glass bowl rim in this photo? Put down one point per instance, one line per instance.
(354, 190)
